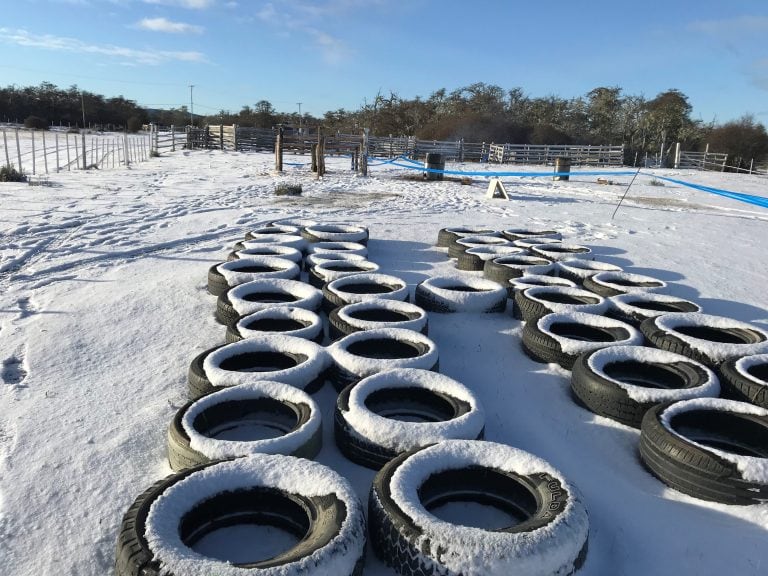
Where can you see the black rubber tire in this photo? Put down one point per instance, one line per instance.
(533, 303)
(601, 395)
(382, 349)
(579, 269)
(285, 320)
(295, 414)
(199, 384)
(326, 515)
(321, 274)
(460, 245)
(291, 240)
(753, 341)
(503, 269)
(272, 268)
(376, 314)
(696, 471)
(474, 260)
(540, 346)
(513, 234)
(615, 283)
(637, 307)
(515, 285)
(400, 542)
(559, 251)
(444, 294)
(276, 293)
(428, 404)
(335, 233)
(272, 229)
(316, 258)
(748, 384)
(361, 287)
(273, 250)
(446, 236)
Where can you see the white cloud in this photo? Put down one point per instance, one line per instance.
(129, 55)
(165, 25)
(190, 4)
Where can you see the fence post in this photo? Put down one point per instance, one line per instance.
(126, 151)
(33, 152)
(173, 138)
(677, 155)
(69, 167)
(45, 154)
(57, 152)
(364, 153)
(18, 149)
(5, 147)
(320, 154)
(82, 134)
(279, 149)
(234, 135)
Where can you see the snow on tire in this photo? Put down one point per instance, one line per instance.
(164, 529)
(329, 271)
(376, 313)
(261, 294)
(316, 258)
(560, 251)
(550, 523)
(335, 233)
(446, 236)
(539, 301)
(636, 307)
(579, 269)
(398, 410)
(613, 283)
(274, 250)
(295, 361)
(708, 339)
(451, 294)
(292, 240)
(529, 243)
(623, 382)
(528, 233)
(504, 268)
(521, 283)
(337, 248)
(561, 338)
(746, 379)
(473, 259)
(222, 277)
(709, 448)
(243, 420)
(460, 245)
(369, 352)
(362, 287)
(285, 320)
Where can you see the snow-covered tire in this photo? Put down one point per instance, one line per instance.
(623, 382)
(473, 259)
(709, 448)
(325, 515)
(335, 233)
(614, 283)
(285, 320)
(529, 243)
(362, 287)
(561, 338)
(222, 277)
(560, 251)
(551, 538)
(274, 250)
(460, 245)
(287, 359)
(636, 307)
(539, 301)
(746, 379)
(504, 268)
(451, 294)
(272, 229)
(376, 313)
(331, 270)
(446, 236)
(369, 352)
(368, 422)
(579, 269)
(526, 281)
(313, 260)
(337, 248)
(297, 222)
(708, 339)
(217, 426)
(513, 234)
(291, 240)
(258, 295)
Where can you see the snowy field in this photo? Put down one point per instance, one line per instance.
(103, 305)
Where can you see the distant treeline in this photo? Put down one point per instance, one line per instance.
(477, 113)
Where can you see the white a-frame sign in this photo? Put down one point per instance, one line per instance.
(496, 189)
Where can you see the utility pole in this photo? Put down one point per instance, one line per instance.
(299, 103)
(191, 106)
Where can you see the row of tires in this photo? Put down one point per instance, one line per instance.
(594, 319)
(394, 413)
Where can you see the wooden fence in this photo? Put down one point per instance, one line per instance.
(36, 152)
(544, 154)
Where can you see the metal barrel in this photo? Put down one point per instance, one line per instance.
(562, 164)
(434, 161)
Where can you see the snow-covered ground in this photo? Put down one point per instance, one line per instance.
(103, 305)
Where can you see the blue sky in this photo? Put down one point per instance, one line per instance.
(332, 54)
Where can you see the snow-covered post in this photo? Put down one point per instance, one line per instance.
(677, 155)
